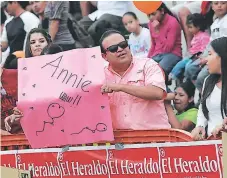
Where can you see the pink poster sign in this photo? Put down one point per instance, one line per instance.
(61, 100)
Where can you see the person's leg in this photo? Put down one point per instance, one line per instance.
(85, 22)
(104, 22)
(192, 69)
(114, 20)
(179, 68)
(201, 77)
(182, 14)
(168, 61)
(157, 58)
(175, 9)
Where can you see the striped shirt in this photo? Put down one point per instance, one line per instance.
(59, 10)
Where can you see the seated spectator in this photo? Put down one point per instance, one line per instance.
(57, 13)
(186, 116)
(166, 38)
(136, 88)
(37, 40)
(139, 39)
(197, 71)
(182, 11)
(213, 107)
(17, 27)
(196, 27)
(109, 11)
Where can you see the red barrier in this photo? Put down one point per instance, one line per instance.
(12, 142)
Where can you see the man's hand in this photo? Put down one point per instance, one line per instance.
(109, 88)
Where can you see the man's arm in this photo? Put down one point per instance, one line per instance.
(4, 46)
(85, 7)
(149, 92)
(4, 39)
(154, 84)
(53, 28)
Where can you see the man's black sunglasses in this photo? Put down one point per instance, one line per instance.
(114, 48)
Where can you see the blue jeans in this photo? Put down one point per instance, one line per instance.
(192, 69)
(167, 61)
(179, 68)
(201, 77)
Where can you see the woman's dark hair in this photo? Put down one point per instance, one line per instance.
(35, 30)
(219, 45)
(131, 14)
(209, 17)
(189, 89)
(23, 4)
(197, 20)
(11, 62)
(51, 49)
(166, 9)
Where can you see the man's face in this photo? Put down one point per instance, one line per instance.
(117, 50)
(10, 8)
(38, 7)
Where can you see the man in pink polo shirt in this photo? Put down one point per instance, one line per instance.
(136, 87)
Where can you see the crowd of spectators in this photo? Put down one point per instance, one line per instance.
(143, 59)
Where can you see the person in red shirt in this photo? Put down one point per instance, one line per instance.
(166, 38)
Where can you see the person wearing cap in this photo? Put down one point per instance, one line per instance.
(186, 116)
(135, 86)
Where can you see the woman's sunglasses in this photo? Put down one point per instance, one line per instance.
(114, 48)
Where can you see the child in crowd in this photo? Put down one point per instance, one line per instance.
(197, 70)
(139, 39)
(197, 27)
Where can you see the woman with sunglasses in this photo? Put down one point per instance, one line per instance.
(166, 38)
(135, 86)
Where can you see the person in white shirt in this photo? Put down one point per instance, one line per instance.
(18, 26)
(213, 107)
(107, 11)
(139, 39)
